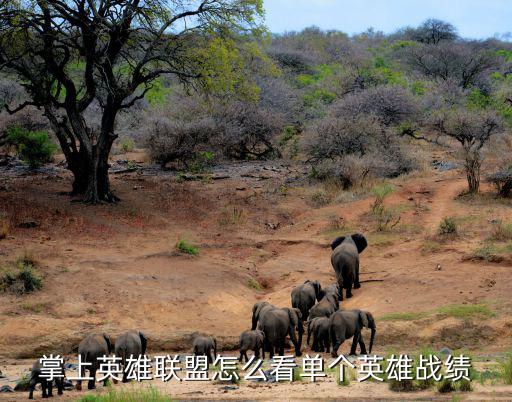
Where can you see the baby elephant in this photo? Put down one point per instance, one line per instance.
(319, 329)
(252, 340)
(130, 344)
(204, 346)
(47, 386)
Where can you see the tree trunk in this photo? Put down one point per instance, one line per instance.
(98, 183)
(473, 173)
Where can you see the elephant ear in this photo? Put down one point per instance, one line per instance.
(364, 319)
(360, 242)
(109, 344)
(143, 342)
(337, 241)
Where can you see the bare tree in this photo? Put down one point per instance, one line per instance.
(71, 54)
(433, 31)
(466, 63)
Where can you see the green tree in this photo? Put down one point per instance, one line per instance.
(73, 56)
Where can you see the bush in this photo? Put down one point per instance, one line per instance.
(127, 144)
(177, 141)
(502, 181)
(447, 226)
(148, 395)
(502, 231)
(446, 386)
(506, 369)
(185, 247)
(34, 147)
(22, 279)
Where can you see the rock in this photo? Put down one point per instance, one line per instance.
(229, 388)
(68, 385)
(439, 267)
(271, 377)
(71, 366)
(5, 389)
(446, 351)
(28, 224)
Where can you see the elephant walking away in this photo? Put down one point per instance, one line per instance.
(329, 303)
(305, 296)
(130, 344)
(277, 323)
(252, 340)
(92, 347)
(318, 328)
(346, 324)
(345, 261)
(258, 310)
(205, 346)
(46, 386)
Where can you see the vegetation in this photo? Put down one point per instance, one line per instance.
(127, 144)
(506, 369)
(21, 279)
(183, 246)
(134, 395)
(34, 147)
(447, 226)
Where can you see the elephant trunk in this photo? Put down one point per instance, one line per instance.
(371, 339)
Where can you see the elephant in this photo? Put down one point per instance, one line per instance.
(277, 323)
(319, 328)
(305, 296)
(251, 340)
(345, 261)
(92, 347)
(130, 343)
(258, 310)
(328, 305)
(347, 324)
(47, 386)
(204, 346)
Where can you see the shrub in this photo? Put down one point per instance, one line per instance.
(184, 246)
(506, 369)
(127, 144)
(447, 226)
(34, 147)
(148, 395)
(502, 181)
(253, 284)
(22, 279)
(445, 386)
(177, 141)
(383, 215)
(502, 231)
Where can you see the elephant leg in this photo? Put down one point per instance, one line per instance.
(348, 288)
(335, 346)
(327, 344)
(50, 388)
(281, 347)
(362, 346)
(263, 353)
(60, 386)
(314, 347)
(31, 388)
(44, 387)
(245, 355)
(125, 376)
(357, 284)
(241, 357)
(91, 384)
(355, 341)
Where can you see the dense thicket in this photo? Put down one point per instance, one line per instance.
(355, 105)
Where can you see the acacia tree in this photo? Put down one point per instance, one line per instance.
(75, 55)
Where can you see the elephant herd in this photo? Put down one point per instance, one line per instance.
(318, 307)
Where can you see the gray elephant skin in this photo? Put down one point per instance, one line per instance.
(252, 340)
(346, 324)
(345, 261)
(46, 386)
(329, 303)
(90, 349)
(277, 323)
(305, 296)
(130, 344)
(318, 328)
(205, 346)
(258, 310)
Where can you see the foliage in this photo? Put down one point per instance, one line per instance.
(502, 181)
(447, 226)
(127, 144)
(384, 216)
(506, 369)
(23, 278)
(34, 147)
(134, 395)
(502, 231)
(183, 246)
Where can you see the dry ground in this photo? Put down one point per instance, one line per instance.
(115, 267)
